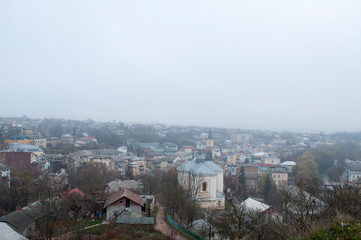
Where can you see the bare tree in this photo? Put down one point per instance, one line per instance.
(303, 209)
(232, 224)
(50, 207)
(192, 188)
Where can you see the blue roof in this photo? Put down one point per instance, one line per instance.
(207, 168)
(24, 147)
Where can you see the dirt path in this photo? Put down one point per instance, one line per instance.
(163, 227)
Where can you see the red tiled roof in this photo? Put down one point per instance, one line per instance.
(72, 191)
(123, 192)
(264, 164)
(90, 138)
(189, 147)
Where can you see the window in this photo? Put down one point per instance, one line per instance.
(204, 186)
(278, 176)
(127, 203)
(115, 213)
(120, 201)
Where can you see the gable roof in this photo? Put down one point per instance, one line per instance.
(123, 192)
(20, 220)
(356, 166)
(7, 233)
(116, 185)
(251, 204)
(288, 163)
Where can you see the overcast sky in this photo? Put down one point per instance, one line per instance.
(277, 65)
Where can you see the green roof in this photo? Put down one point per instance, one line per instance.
(18, 137)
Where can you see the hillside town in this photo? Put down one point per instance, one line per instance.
(59, 177)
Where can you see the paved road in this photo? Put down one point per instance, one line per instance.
(163, 227)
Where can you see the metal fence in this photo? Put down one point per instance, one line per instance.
(182, 229)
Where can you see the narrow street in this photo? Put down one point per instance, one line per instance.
(163, 227)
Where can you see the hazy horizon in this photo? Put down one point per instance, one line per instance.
(279, 65)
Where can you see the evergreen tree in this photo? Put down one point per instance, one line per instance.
(267, 187)
(242, 177)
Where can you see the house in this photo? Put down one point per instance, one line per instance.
(251, 176)
(353, 172)
(85, 140)
(280, 177)
(207, 180)
(77, 203)
(102, 156)
(123, 150)
(24, 220)
(189, 149)
(40, 142)
(259, 157)
(289, 165)
(116, 185)
(137, 166)
(7, 233)
(5, 175)
(252, 206)
(67, 139)
(231, 159)
(126, 205)
(272, 160)
(169, 148)
(303, 203)
(105, 160)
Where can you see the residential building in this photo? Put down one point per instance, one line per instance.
(289, 165)
(67, 139)
(7, 233)
(40, 142)
(17, 147)
(252, 206)
(24, 221)
(137, 166)
(280, 177)
(251, 176)
(21, 139)
(123, 150)
(126, 206)
(241, 138)
(231, 159)
(353, 172)
(259, 157)
(272, 160)
(117, 185)
(17, 161)
(5, 175)
(189, 149)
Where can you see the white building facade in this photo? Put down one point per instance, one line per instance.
(207, 180)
